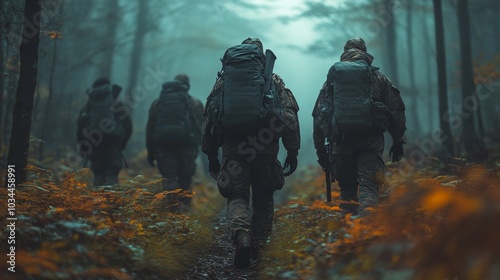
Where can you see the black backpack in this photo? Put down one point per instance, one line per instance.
(356, 109)
(100, 114)
(173, 122)
(241, 102)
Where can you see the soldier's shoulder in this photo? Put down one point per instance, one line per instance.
(377, 73)
(277, 79)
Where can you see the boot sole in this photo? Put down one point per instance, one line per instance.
(242, 257)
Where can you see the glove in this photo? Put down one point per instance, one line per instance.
(213, 166)
(290, 161)
(151, 159)
(396, 151)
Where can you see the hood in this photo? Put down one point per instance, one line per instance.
(100, 91)
(355, 54)
(175, 85)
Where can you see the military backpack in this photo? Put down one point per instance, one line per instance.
(100, 115)
(173, 123)
(247, 97)
(356, 109)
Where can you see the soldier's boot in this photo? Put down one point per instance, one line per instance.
(243, 249)
(257, 248)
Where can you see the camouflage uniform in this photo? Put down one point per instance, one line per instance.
(106, 159)
(176, 162)
(358, 160)
(251, 161)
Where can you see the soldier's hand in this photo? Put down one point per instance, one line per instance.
(151, 160)
(323, 162)
(290, 162)
(396, 152)
(213, 167)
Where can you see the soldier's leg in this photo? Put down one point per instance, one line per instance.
(371, 169)
(98, 166)
(267, 177)
(187, 167)
(347, 177)
(113, 165)
(234, 184)
(186, 171)
(167, 165)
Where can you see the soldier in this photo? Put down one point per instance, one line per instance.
(173, 134)
(358, 156)
(103, 133)
(249, 159)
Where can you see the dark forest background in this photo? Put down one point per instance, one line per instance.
(442, 55)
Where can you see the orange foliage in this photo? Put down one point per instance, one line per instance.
(486, 71)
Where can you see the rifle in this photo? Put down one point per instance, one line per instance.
(268, 69)
(329, 170)
(271, 97)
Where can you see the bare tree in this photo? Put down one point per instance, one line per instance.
(21, 125)
(442, 80)
(135, 58)
(112, 20)
(474, 145)
(391, 47)
(2, 73)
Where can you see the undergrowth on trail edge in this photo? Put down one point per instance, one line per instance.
(70, 230)
(432, 225)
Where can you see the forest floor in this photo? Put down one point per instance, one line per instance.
(437, 222)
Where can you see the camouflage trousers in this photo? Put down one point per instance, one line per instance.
(106, 163)
(177, 166)
(260, 177)
(363, 168)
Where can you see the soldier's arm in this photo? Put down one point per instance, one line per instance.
(198, 114)
(151, 127)
(291, 132)
(397, 119)
(209, 143)
(318, 131)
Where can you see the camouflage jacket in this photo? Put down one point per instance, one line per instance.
(196, 113)
(252, 144)
(387, 93)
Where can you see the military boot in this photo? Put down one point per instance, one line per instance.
(243, 249)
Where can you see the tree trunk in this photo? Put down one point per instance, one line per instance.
(474, 146)
(442, 79)
(48, 105)
(21, 124)
(136, 55)
(12, 68)
(427, 52)
(111, 27)
(391, 47)
(411, 69)
(2, 73)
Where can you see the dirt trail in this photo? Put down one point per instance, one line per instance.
(218, 263)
